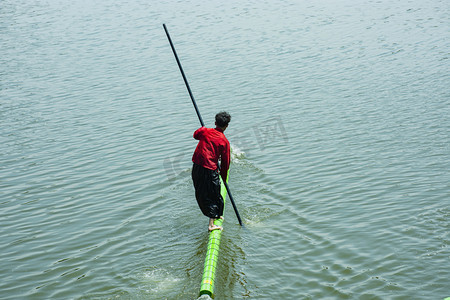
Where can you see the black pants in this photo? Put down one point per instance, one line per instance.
(207, 191)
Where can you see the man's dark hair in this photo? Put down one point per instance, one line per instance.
(222, 119)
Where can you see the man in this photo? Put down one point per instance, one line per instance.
(212, 145)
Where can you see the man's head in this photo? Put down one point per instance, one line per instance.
(222, 119)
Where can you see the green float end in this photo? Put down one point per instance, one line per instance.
(212, 254)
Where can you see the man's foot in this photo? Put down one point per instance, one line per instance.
(214, 227)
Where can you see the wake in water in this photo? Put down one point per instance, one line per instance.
(159, 281)
(236, 153)
(204, 297)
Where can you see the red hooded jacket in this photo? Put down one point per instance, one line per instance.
(212, 145)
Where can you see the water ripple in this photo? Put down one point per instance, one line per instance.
(340, 137)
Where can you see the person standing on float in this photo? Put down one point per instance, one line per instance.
(212, 146)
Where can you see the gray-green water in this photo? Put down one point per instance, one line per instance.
(341, 150)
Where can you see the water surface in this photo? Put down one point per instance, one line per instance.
(340, 135)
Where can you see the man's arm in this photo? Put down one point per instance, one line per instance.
(199, 133)
(225, 161)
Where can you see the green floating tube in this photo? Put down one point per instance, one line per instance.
(212, 254)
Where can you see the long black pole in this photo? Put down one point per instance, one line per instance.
(184, 76)
(198, 114)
